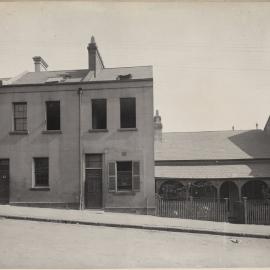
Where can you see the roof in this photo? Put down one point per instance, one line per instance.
(213, 171)
(141, 72)
(207, 145)
(66, 76)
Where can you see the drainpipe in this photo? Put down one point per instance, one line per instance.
(80, 91)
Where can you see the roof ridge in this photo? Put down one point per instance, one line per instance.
(129, 67)
(58, 70)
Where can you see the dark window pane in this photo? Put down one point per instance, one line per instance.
(41, 171)
(124, 176)
(53, 115)
(99, 114)
(128, 112)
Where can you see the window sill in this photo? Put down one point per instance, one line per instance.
(97, 130)
(127, 129)
(124, 193)
(25, 132)
(51, 132)
(40, 188)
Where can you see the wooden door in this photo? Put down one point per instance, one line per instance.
(93, 181)
(4, 181)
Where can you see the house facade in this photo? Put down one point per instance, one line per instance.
(212, 164)
(78, 138)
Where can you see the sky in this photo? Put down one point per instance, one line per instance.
(211, 60)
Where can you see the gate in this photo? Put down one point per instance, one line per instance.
(237, 212)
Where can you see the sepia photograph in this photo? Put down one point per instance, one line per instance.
(134, 134)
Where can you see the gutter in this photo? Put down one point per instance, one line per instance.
(77, 83)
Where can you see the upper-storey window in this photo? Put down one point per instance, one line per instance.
(53, 115)
(99, 114)
(128, 112)
(20, 116)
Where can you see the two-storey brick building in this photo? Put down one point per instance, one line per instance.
(73, 138)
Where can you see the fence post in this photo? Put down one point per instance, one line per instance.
(192, 213)
(157, 205)
(245, 209)
(227, 209)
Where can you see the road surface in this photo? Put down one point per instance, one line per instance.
(29, 244)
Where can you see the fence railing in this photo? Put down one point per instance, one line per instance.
(213, 210)
(257, 212)
(244, 211)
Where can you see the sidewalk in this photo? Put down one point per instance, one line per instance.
(101, 218)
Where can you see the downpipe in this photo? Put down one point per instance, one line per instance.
(80, 92)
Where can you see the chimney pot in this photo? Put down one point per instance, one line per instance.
(157, 127)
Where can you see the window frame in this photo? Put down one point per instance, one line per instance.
(14, 118)
(46, 116)
(34, 184)
(136, 187)
(132, 127)
(117, 176)
(92, 115)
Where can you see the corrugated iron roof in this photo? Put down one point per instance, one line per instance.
(141, 72)
(213, 145)
(44, 76)
(106, 74)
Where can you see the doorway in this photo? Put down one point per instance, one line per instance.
(93, 181)
(4, 181)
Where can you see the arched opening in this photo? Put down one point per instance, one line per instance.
(203, 190)
(229, 190)
(172, 190)
(254, 190)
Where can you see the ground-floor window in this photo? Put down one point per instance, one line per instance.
(124, 176)
(41, 172)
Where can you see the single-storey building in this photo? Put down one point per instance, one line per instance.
(212, 164)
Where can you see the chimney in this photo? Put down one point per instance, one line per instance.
(95, 62)
(267, 127)
(40, 64)
(157, 127)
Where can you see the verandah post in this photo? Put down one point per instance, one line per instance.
(226, 209)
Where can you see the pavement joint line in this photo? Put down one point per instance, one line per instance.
(144, 227)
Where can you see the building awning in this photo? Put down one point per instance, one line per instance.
(213, 171)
